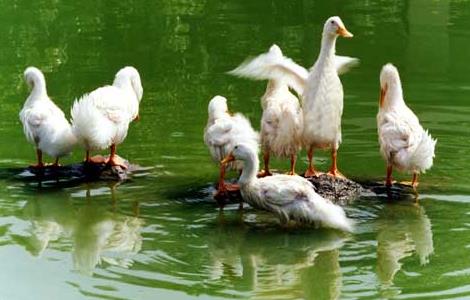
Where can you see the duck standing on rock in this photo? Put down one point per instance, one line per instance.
(289, 197)
(404, 144)
(44, 123)
(282, 120)
(321, 90)
(323, 99)
(101, 118)
(223, 131)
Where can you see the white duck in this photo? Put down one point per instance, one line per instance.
(282, 120)
(44, 123)
(323, 98)
(404, 144)
(321, 90)
(223, 131)
(101, 118)
(289, 197)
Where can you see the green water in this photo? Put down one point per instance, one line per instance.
(160, 236)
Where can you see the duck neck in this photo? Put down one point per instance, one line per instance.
(328, 47)
(394, 96)
(38, 90)
(216, 116)
(250, 170)
(273, 87)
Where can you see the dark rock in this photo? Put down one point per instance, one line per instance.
(338, 190)
(78, 172)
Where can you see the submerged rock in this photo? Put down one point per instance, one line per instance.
(79, 172)
(340, 191)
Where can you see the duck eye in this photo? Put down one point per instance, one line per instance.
(332, 22)
(236, 147)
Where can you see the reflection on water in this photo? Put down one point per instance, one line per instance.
(278, 265)
(96, 234)
(403, 230)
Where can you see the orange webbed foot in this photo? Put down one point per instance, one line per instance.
(264, 173)
(117, 161)
(311, 173)
(336, 174)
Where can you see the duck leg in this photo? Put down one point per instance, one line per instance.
(40, 164)
(334, 167)
(388, 181)
(115, 160)
(221, 193)
(293, 159)
(311, 172)
(56, 163)
(414, 182)
(265, 172)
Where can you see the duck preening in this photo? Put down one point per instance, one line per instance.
(101, 118)
(282, 120)
(291, 198)
(44, 123)
(223, 131)
(404, 144)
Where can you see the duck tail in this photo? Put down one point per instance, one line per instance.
(331, 215)
(86, 118)
(424, 154)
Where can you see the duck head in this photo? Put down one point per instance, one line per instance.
(334, 27)
(390, 86)
(129, 75)
(241, 152)
(34, 78)
(217, 107)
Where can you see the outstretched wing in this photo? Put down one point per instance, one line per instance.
(273, 65)
(344, 63)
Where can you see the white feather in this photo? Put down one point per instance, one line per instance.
(44, 123)
(344, 63)
(281, 122)
(273, 65)
(101, 118)
(223, 131)
(403, 142)
(323, 95)
(289, 197)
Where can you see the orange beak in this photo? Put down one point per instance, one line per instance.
(342, 31)
(383, 91)
(227, 159)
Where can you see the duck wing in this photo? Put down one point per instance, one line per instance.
(284, 190)
(273, 65)
(344, 63)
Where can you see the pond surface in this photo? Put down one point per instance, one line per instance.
(160, 235)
